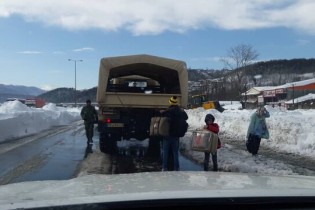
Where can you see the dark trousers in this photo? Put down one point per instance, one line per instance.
(170, 143)
(89, 128)
(253, 143)
(214, 161)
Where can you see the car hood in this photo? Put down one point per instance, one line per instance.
(150, 186)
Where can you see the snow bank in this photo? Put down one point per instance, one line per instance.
(17, 119)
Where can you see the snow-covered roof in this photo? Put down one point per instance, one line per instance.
(296, 84)
(310, 96)
(257, 90)
(264, 88)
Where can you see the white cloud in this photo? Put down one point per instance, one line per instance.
(48, 87)
(84, 49)
(30, 52)
(58, 52)
(154, 17)
(303, 42)
(214, 59)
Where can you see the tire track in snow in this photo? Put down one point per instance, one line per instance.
(301, 165)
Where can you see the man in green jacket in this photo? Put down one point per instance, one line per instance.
(89, 115)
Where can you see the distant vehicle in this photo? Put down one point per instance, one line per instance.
(131, 90)
(37, 102)
(201, 100)
(34, 102)
(17, 99)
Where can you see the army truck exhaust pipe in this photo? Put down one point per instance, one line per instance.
(131, 90)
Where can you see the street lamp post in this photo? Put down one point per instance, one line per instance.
(75, 79)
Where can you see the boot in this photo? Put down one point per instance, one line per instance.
(206, 167)
(215, 162)
(206, 162)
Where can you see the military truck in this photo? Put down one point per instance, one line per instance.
(131, 90)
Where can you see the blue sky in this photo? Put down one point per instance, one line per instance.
(38, 37)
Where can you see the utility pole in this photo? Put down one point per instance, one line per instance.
(75, 79)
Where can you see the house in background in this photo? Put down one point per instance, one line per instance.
(251, 97)
(303, 102)
(277, 96)
(297, 92)
(280, 95)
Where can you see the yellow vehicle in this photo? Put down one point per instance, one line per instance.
(201, 100)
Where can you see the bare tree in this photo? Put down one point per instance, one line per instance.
(240, 56)
(237, 58)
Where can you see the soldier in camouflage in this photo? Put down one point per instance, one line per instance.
(89, 115)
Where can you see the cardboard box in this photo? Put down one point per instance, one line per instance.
(204, 141)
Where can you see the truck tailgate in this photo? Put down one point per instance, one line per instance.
(114, 99)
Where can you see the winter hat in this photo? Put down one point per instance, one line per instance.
(88, 101)
(173, 100)
(209, 117)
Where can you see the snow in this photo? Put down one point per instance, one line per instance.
(297, 84)
(310, 96)
(17, 119)
(290, 131)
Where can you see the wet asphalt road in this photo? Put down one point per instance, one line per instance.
(57, 154)
(62, 153)
(52, 156)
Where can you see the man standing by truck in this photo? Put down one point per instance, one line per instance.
(89, 115)
(178, 128)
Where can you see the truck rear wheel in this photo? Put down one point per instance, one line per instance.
(108, 143)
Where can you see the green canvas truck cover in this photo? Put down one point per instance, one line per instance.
(158, 68)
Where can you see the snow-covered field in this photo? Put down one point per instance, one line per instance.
(290, 132)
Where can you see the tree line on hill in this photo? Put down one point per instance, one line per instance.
(67, 95)
(229, 84)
